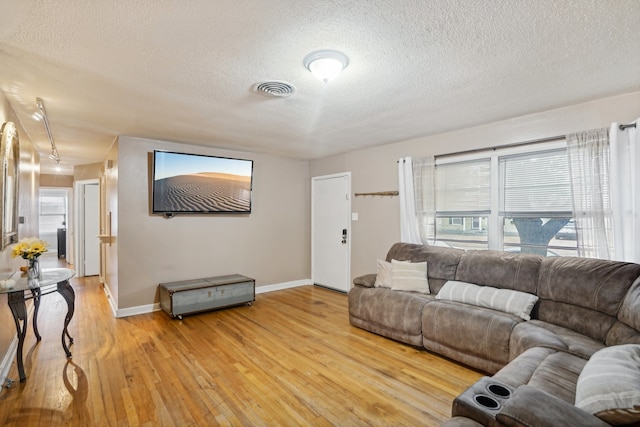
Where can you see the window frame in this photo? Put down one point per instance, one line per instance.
(496, 218)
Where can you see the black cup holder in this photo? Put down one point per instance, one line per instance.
(486, 401)
(499, 390)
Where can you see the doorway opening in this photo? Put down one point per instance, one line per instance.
(54, 215)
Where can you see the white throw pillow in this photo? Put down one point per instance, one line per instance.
(409, 276)
(507, 300)
(609, 385)
(383, 278)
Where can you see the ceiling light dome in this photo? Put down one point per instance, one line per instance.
(325, 65)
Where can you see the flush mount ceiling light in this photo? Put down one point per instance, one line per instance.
(325, 65)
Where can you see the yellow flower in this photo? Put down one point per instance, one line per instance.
(29, 248)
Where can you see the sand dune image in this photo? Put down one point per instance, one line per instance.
(202, 192)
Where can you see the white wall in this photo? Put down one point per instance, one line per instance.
(28, 209)
(375, 169)
(271, 245)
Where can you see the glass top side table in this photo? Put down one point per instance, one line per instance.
(51, 280)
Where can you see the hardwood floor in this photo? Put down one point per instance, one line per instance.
(291, 359)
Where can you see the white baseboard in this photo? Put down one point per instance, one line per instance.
(10, 355)
(112, 303)
(281, 286)
(140, 309)
(149, 308)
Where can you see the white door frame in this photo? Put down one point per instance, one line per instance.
(79, 237)
(346, 175)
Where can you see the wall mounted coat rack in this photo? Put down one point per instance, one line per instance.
(379, 193)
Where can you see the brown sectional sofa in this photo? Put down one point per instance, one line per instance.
(584, 305)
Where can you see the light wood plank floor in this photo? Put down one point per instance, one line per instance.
(291, 359)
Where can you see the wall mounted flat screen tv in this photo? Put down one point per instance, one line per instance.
(199, 184)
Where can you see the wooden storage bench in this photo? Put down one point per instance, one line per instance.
(195, 296)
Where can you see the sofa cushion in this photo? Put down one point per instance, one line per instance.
(507, 300)
(585, 294)
(441, 262)
(555, 372)
(409, 276)
(500, 270)
(383, 275)
(520, 370)
(609, 385)
(393, 314)
(536, 333)
(476, 336)
(523, 409)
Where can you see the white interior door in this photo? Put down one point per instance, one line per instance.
(331, 231)
(91, 229)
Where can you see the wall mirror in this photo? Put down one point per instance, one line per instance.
(10, 176)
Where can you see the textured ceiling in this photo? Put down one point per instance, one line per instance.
(184, 70)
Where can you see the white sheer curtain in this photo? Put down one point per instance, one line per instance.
(424, 178)
(408, 221)
(588, 154)
(625, 191)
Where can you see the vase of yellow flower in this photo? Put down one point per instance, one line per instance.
(30, 249)
(33, 269)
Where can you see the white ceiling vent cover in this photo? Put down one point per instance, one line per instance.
(275, 88)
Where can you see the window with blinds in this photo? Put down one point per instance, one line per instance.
(463, 203)
(512, 199)
(535, 184)
(464, 187)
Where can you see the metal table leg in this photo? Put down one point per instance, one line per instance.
(19, 310)
(65, 289)
(36, 307)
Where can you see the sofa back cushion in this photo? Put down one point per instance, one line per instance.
(500, 270)
(584, 294)
(441, 262)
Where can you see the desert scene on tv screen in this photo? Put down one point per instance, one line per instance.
(203, 192)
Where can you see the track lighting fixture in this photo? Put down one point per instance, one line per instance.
(43, 113)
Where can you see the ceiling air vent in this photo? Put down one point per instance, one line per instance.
(275, 88)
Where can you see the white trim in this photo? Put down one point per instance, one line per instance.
(150, 308)
(140, 309)
(281, 286)
(7, 361)
(10, 355)
(112, 304)
(78, 226)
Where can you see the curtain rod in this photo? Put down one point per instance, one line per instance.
(517, 144)
(499, 147)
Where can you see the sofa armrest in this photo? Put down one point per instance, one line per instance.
(366, 280)
(532, 407)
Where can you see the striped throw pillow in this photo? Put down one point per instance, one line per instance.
(409, 276)
(507, 300)
(609, 385)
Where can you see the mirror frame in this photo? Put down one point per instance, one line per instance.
(9, 180)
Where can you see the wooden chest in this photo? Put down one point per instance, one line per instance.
(197, 295)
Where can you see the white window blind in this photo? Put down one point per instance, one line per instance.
(536, 183)
(463, 187)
